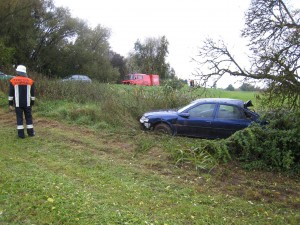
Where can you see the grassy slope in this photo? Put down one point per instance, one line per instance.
(73, 175)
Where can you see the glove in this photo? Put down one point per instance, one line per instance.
(31, 103)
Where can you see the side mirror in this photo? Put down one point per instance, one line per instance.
(184, 115)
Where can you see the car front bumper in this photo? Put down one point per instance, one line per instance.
(145, 122)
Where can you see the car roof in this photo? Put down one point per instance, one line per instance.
(230, 101)
(80, 75)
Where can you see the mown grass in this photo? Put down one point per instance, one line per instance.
(72, 175)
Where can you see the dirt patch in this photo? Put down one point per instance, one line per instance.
(8, 118)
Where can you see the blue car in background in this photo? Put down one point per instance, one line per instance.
(4, 76)
(209, 118)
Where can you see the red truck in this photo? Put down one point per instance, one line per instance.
(142, 79)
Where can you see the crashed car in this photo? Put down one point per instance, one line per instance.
(209, 118)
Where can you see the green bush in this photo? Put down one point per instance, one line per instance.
(176, 84)
(275, 146)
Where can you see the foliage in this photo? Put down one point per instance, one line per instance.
(93, 54)
(230, 87)
(203, 154)
(248, 87)
(175, 83)
(198, 157)
(118, 61)
(48, 40)
(6, 56)
(150, 58)
(272, 29)
(274, 146)
(4, 87)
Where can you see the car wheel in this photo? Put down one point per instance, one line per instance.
(163, 128)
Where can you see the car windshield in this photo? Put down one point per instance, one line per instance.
(129, 77)
(185, 107)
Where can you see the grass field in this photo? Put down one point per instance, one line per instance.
(71, 174)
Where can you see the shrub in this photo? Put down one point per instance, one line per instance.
(275, 146)
(176, 84)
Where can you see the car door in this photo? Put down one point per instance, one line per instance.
(228, 120)
(196, 121)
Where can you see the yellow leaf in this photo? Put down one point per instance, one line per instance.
(50, 200)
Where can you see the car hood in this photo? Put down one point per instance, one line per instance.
(162, 113)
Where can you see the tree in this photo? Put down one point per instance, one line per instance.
(119, 62)
(17, 28)
(230, 87)
(150, 57)
(48, 40)
(90, 54)
(56, 28)
(36, 30)
(272, 28)
(6, 55)
(247, 87)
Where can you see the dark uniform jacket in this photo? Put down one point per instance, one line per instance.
(21, 91)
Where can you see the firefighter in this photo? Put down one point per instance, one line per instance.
(21, 95)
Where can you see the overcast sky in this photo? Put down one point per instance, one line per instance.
(184, 23)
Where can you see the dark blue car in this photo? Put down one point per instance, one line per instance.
(205, 118)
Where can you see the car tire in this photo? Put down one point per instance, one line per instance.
(163, 128)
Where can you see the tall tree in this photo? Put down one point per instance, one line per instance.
(48, 40)
(150, 57)
(272, 28)
(92, 54)
(17, 28)
(55, 29)
(35, 29)
(119, 62)
(6, 56)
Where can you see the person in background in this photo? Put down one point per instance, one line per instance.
(21, 95)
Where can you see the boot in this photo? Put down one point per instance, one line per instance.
(30, 132)
(21, 133)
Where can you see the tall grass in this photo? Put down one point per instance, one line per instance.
(118, 105)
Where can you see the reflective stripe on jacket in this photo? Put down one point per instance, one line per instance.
(21, 91)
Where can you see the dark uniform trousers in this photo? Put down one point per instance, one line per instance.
(28, 117)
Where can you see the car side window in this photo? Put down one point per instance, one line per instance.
(202, 111)
(229, 112)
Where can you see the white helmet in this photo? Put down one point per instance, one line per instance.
(21, 70)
